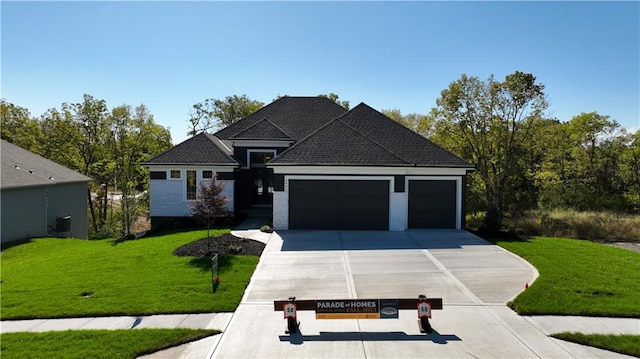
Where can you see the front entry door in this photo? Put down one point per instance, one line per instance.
(261, 178)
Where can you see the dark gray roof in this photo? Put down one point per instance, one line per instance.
(202, 149)
(262, 130)
(295, 116)
(21, 168)
(364, 136)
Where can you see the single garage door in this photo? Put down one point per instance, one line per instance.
(338, 204)
(432, 204)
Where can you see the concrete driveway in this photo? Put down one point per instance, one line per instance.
(474, 278)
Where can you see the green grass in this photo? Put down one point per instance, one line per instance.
(625, 344)
(47, 277)
(95, 344)
(578, 278)
(581, 278)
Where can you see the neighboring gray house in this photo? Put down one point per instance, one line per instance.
(318, 166)
(40, 197)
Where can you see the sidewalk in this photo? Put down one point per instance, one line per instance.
(194, 321)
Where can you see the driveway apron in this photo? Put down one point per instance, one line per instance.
(473, 277)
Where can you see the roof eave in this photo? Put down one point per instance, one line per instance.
(147, 164)
(369, 165)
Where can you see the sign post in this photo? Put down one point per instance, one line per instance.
(290, 309)
(424, 313)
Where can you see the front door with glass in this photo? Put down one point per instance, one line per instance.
(261, 178)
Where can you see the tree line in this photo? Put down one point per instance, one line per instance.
(526, 160)
(104, 144)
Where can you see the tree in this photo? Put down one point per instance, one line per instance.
(135, 137)
(335, 98)
(89, 128)
(631, 165)
(594, 177)
(210, 203)
(201, 118)
(421, 124)
(17, 127)
(487, 123)
(234, 108)
(58, 133)
(212, 113)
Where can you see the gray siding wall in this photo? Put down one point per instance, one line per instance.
(25, 213)
(70, 200)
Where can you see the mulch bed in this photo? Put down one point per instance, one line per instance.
(227, 243)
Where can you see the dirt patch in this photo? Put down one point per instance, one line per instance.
(225, 244)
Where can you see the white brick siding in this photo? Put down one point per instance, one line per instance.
(281, 210)
(398, 207)
(168, 197)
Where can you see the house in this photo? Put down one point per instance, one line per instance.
(40, 197)
(318, 166)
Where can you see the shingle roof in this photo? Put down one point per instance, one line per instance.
(296, 116)
(262, 130)
(364, 136)
(21, 168)
(202, 149)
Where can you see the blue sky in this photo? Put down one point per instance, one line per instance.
(170, 55)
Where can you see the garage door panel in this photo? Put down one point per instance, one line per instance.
(432, 204)
(338, 204)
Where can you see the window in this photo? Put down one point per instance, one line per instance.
(207, 174)
(175, 173)
(191, 185)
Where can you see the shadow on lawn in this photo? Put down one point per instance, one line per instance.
(224, 264)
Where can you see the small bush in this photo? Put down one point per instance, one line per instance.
(475, 220)
(235, 248)
(266, 228)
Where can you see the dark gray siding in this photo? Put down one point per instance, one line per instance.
(25, 213)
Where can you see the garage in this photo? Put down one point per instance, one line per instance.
(339, 204)
(432, 204)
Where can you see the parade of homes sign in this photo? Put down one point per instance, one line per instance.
(357, 309)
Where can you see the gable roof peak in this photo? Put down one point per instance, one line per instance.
(201, 149)
(262, 130)
(295, 116)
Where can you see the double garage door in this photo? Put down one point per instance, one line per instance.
(346, 204)
(364, 204)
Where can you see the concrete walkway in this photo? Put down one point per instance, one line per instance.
(195, 321)
(474, 277)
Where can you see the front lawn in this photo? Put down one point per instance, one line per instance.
(53, 278)
(581, 278)
(96, 344)
(625, 344)
(578, 278)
